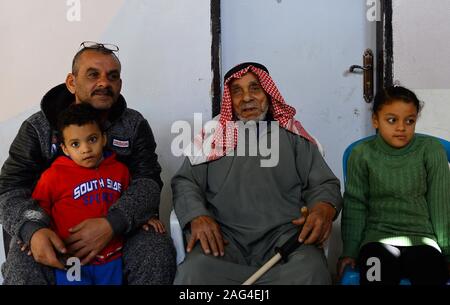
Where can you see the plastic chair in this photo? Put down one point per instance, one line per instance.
(177, 233)
(177, 236)
(350, 276)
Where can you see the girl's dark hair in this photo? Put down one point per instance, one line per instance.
(77, 114)
(390, 94)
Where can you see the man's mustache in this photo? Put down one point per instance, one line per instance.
(105, 91)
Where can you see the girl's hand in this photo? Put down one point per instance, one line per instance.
(157, 225)
(342, 263)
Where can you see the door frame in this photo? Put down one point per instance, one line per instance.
(216, 89)
(384, 43)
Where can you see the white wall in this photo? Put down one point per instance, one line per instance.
(164, 49)
(421, 48)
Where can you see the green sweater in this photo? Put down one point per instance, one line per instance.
(395, 196)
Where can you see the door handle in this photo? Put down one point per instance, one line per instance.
(367, 69)
(355, 67)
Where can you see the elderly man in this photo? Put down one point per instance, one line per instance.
(234, 210)
(149, 257)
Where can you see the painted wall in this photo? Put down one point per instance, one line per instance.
(421, 48)
(164, 49)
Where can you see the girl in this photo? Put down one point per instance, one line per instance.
(397, 199)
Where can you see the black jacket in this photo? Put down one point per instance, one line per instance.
(36, 147)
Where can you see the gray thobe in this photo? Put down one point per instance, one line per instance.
(254, 207)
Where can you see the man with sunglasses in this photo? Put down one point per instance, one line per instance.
(149, 257)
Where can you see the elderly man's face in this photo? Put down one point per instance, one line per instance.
(249, 99)
(97, 81)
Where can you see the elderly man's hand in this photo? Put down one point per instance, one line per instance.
(88, 238)
(318, 224)
(206, 229)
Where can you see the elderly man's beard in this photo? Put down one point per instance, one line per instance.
(260, 117)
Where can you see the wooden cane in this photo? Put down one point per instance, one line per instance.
(282, 253)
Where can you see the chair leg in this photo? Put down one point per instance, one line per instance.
(177, 236)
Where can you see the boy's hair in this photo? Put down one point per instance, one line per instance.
(392, 93)
(77, 114)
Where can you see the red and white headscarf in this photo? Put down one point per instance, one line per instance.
(221, 141)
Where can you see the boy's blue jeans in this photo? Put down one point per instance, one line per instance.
(104, 274)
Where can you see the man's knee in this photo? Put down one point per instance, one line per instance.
(307, 266)
(149, 258)
(21, 269)
(149, 245)
(201, 269)
(195, 270)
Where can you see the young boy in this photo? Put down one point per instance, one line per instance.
(84, 184)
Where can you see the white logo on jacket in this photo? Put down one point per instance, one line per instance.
(122, 144)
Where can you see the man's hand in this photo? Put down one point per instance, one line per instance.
(318, 224)
(43, 244)
(206, 229)
(88, 238)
